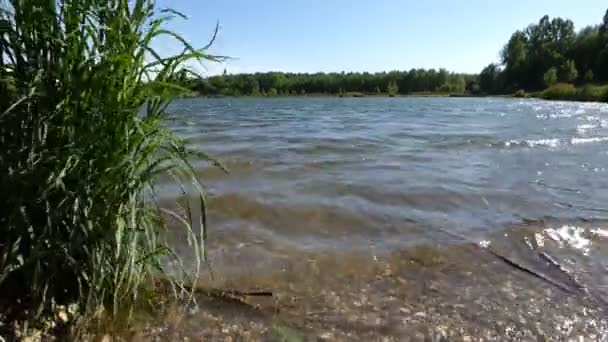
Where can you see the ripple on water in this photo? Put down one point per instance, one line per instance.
(347, 173)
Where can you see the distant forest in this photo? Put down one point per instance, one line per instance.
(549, 52)
(278, 83)
(533, 59)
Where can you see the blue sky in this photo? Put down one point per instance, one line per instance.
(364, 35)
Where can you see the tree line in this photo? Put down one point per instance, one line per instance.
(279, 83)
(547, 53)
(539, 56)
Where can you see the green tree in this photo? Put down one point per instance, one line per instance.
(550, 77)
(252, 86)
(586, 48)
(589, 77)
(392, 89)
(331, 83)
(568, 72)
(489, 79)
(458, 84)
(219, 83)
(515, 59)
(552, 43)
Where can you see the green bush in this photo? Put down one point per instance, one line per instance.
(589, 76)
(560, 91)
(588, 93)
(568, 92)
(83, 144)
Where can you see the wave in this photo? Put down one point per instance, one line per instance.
(467, 141)
(532, 143)
(566, 235)
(554, 142)
(575, 141)
(291, 219)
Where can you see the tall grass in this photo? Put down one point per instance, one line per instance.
(82, 101)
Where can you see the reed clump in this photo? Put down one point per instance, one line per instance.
(83, 96)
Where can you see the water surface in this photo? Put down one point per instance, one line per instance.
(380, 174)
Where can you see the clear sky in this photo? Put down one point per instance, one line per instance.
(365, 35)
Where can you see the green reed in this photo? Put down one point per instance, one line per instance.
(82, 143)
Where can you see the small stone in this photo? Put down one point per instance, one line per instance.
(434, 286)
(404, 311)
(106, 338)
(327, 336)
(420, 314)
(63, 316)
(72, 309)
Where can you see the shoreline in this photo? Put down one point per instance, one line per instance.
(535, 95)
(457, 291)
(351, 96)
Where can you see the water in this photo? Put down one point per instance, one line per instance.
(382, 174)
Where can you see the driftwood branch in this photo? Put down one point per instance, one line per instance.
(522, 268)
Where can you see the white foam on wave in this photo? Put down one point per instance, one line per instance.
(585, 127)
(576, 141)
(554, 116)
(543, 142)
(571, 236)
(599, 232)
(554, 142)
(532, 143)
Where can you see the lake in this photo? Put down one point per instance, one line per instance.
(374, 175)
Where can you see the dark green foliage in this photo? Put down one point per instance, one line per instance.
(404, 82)
(392, 88)
(550, 77)
(82, 145)
(490, 79)
(568, 72)
(530, 55)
